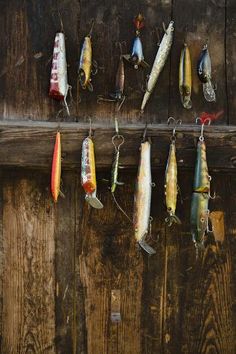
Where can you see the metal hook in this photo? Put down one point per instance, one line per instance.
(91, 29)
(201, 137)
(61, 22)
(176, 122)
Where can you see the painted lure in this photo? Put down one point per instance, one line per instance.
(136, 58)
(59, 82)
(159, 62)
(171, 184)
(88, 173)
(86, 63)
(185, 77)
(200, 198)
(56, 168)
(142, 197)
(204, 74)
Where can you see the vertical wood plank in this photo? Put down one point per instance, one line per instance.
(1, 258)
(204, 22)
(230, 59)
(28, 276)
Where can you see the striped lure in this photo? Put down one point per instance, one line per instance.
(88, 173)
(56, 168)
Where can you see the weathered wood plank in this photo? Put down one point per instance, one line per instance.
(1, 258)
(197, 24)
(66, 278)
(206, 306)
(31, 144)
(109, 260)
(230, 59)
(28, 278)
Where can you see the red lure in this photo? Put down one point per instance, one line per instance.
(139, 22)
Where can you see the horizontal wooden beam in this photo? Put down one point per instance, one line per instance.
(30, 144)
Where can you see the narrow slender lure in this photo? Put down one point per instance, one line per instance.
(56, 168)
(59, 81)
(171, 187)
(159, 62)
(115, 172)
(86, 63)
(88, 173)
(136, 58)
(118, 95)
(142, 198)
(185, 77)
(200, 197)
(204, 74)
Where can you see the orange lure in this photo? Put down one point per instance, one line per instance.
(56, 168)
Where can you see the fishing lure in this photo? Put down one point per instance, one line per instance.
(59, 82)
(56, 169)
(185, 77)
(159, 62)
(136, 58)
(199, 214)
(142, 197)
(115, 164)
(86, 63)
(204, 74)
(88, 173)
(171, 186)
(117, 96)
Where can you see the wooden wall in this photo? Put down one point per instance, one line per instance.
(60, 263)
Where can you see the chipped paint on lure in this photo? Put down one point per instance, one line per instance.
(59, 81)
(142, 197)
(199, 216)
(171, 187)
(201, 175)
(185, 77)
(136, 58)
(88, 173)
(204, 74)
(56, 168)
(159, 62)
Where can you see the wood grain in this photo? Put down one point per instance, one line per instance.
(28, 277)
(31, 144)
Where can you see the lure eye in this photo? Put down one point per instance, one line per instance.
(202, 220)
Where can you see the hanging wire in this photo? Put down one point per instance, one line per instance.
(175, 122)
(117, 139)
(201, 137)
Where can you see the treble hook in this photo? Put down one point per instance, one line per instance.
(201, 137)
(176, 122)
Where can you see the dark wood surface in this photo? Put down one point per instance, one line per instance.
(60, 264)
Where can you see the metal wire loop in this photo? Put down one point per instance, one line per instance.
(175, 122)
(201, 137)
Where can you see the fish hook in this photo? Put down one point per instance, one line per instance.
(201, 137)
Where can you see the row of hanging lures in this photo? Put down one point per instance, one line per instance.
(143, 192)
(59, 86)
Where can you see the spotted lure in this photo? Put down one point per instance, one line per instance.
(159, 62)
(142, 198)
(88, 173)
